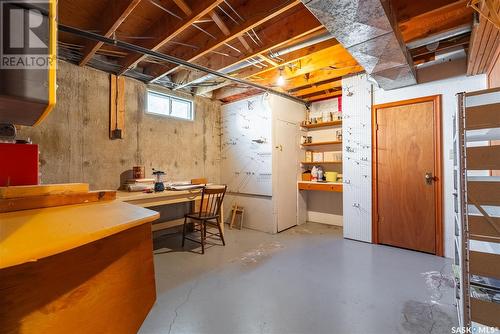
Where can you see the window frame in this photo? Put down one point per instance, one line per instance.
(170, 99)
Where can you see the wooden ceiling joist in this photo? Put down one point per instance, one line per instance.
(209, 45)
(120, 11)
(324, 95)
(484, 42)
(333, 56)
(288, 58)
(167, 32)
(299, 23)
(441, 19)
(284, 59)
(220, 23)
(184, 7)
(320, 75)
(337, 83)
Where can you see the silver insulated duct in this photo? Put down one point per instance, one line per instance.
(368, 30)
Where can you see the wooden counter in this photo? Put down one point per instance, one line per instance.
(84, 268)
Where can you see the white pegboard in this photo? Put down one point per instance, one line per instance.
(247, 146)
(357, 160)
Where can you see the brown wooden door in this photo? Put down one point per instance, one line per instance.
(406, 150)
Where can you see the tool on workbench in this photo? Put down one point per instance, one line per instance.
(159, 186)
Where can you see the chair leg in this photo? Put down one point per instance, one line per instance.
(220, 231)
(202, 234)
(184, 231)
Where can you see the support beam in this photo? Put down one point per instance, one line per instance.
(167, 32)
(120, 10)
(209, 45)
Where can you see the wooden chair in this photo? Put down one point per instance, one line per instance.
(208, 214)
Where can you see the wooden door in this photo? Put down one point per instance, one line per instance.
(287, 144)
(407, 174)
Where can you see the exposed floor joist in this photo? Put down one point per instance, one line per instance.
(168, 32)
(209, 45)
(299, 23)
(119, 12)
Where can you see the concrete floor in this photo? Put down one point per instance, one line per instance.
(305, 280)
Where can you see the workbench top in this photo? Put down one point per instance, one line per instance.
(133, 196)
(31, 235)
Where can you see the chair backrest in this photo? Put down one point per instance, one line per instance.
(211, 200)
(199, 181)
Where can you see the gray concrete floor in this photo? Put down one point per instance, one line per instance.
(305, 280)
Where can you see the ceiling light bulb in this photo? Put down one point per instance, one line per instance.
(281, 80)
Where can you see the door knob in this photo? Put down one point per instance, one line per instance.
(429, 178)
(280, 147)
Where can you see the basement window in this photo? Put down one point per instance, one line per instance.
(171, 106)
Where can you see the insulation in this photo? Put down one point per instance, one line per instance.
(367, 29)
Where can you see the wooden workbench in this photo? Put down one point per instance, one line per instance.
(166, 197)
(85, 268)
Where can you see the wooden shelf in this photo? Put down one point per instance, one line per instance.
(321, 186)
(319, 163)
(322, 125)
(323, 143)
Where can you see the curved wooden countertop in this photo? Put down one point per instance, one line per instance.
(31, 235)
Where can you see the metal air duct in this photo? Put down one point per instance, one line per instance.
(368, 30)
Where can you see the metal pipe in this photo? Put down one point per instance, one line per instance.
(312, 41)
(450, 33)
(174, 60)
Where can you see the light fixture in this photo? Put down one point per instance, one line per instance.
(281, 78)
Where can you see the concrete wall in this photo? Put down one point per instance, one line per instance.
(74, 138)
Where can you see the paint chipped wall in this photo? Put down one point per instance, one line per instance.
(74, 138)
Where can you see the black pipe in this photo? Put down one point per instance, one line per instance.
(174, 60)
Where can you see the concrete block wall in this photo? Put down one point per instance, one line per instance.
(74, 139)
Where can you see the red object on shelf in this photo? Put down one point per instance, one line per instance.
(18, 164)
